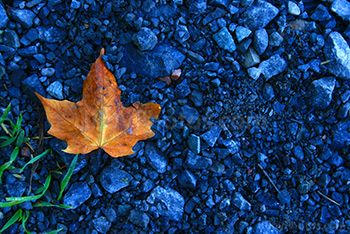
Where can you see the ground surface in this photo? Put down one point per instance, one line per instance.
(252, 138)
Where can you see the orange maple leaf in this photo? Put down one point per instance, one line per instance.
(100, 120)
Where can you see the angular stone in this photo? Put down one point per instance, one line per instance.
(145, 39)
(187, 179)
(321, 13)
(4, 19)
(139, 218)
(242, 33)
(194, 161)
(113, 179)
(32, 82)
(272, 66)
(78, 193)
(156, 158)
(182, 34)
(168, 202)
(101, 224)
(241, 203)
(51, 34)
(338, 52)
(55, 90)
(211, 136)
(321, 92)
(224, 40)
(266, 227)
(182, 90)
(190, 114)
(341, 134)
(259, 15)
(341, 8)
(194, 143)
(23, 16)
(261, 40)
(251, 58)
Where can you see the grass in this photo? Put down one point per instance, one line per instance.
(15, 136)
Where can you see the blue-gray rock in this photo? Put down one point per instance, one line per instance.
(101, 224)
(224, 40)
(321, 92)
(338, 52)
(145, 39)
(168, 202)
(14, 187)
(33, 84)
(139, 218)
(343, 110)
(259, 15)
(321, 13)
(187, 179)
(51, 34)
(265, 227)
(75, 4)
(181, 33)
(182, 90)
(233, 146)
(48, 71)
(196, 97)
(268, 92)
(323, 180)
(254, 72)
(293, 8)
(11, 38)
(147, 186)
(216, 14)
(4, 19)
(189, 114)
(272, 66)
(284, 197)
(241, 203)
(55, 90)
(78, 193)
(14, 92)
(156, 158)
(251, 58)
(341, 134)
(211, 136)
(275, 39)
(28, 51)
(194, 143)
(113, 179)
(223, 3)
(23, 16)
(194, 161)
(242, 33)
(161, 61)
(341, 8)
(96, 191)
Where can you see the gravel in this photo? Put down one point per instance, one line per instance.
(253, 137)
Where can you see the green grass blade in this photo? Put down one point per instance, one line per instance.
(25, 217)
(36, 159)
(4, 137)
(55, 231)
(20, 139)
(7, 142)
(5, 114)
(7, 164)
(67, 177)
(12, 220)
(12, 201)
(47, 204)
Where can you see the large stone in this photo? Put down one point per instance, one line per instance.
(23, 16)
(156, 158)
(167, 202)
(341, 134)
(261, 40)
(259, 15)
(272, 66)
(161, 61)
(113, 179)
(266, 227)
(195, 162)
(338, 52)
(3, 17)
(321, 92)
(77, 194)
(224, 40)
(51, 34)
(341, 8)
(211, 136)
(145, 39)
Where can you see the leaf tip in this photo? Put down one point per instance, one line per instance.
(102, 52)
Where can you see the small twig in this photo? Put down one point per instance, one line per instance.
(269, 178)
(329, 199)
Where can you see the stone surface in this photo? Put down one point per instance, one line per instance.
(161, 61)
(101, 224)
(194, 143)
(139, 218)
(293, 8)
(156, 158)
(321, 92)
(187, 179)
(113, 179)
(181, 33)
(168, 202)
(259, 15)
(242, 33)
(55, 90)
(3, 17)
(341, 134)
(338, 52)
(273, 66)
(241, 203)
(224, 40)
(189, 114)
(251, 58)
(341, 8)
(51, 34)
(266, 227)
(211, 136)
(78, 193)
(194, 161)
(145, 39)
(261, 40)
(23, 16)
(182, 90)
(321, 13)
